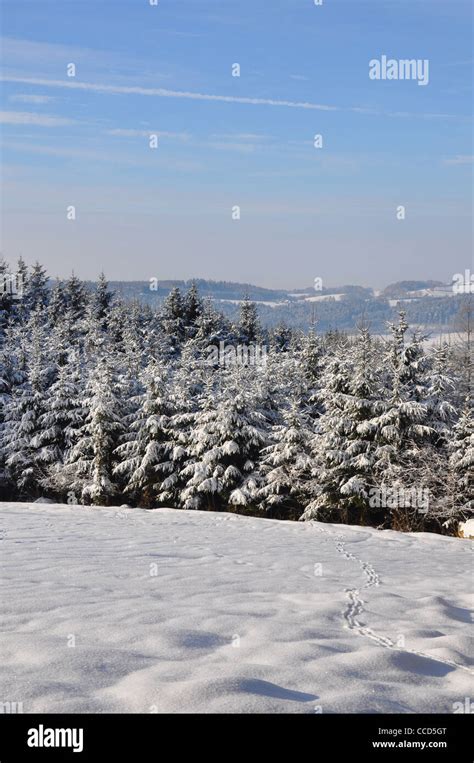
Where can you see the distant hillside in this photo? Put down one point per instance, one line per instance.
(402, 288)
(214, 289)
(426, 303)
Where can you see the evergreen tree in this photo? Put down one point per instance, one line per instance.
(22, 276)
(133, 344)
(211, 326)
(281, 338)
(144, 446)
(19, 444)
(19, 453)
(329, 467)
(223, 449)
(37, 292)
(57, 303)
(190, 385)
(6, 297)
(249, 328)
(101, 301)
(61, 421)
(403, 427)
(90, 464)
(462, 462)
(345, 445)
(174, 317)
(286, 464)
(75, 296)
(312, 364)
(439, 394)
(193, 309)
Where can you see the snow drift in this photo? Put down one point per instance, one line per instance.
(126, 610)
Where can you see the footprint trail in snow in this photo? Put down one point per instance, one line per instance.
(355, 607)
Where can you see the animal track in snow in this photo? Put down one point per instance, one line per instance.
(355, 607)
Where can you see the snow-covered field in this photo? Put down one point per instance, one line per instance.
(123, 610)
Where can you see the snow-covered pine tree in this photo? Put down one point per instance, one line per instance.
(462, 359)
(193, 308)
(403, 428)
(155, 342)
(144, 449)
(6, 297)
(312, 359)
(249, 329)
(57, 303)
(76, 300)
(461, 442)
(88, 471)
(352, 407)
(211, 327)
(327, 445)
(224, 445)
(36, 294)
(13, 376)
(61, 422)
(133, 344)
(189, 382)
(281, 338)
(105, 325)
(19, 305)
(286, 464)
(13, 356)
(173, 317)
(438, 397)
(22, 275)
(21, 427)
(101, 301)
(462, 462)
(344, 446)
(362, 408)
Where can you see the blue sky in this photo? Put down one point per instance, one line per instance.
(246, 141)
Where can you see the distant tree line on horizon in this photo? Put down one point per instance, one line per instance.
(431, 314)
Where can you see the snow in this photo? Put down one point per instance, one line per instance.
(256, 302)
(190, 611)
(466, 529)
(325, 297)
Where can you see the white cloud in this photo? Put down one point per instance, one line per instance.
(164, 93)
(32, 119)
(17, 52)
(19, 57)
(122, 132)
(241, 136)
(181, 165)
(243, 148)
(66, 153)
(28, 98)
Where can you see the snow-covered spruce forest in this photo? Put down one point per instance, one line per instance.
(106, 402)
